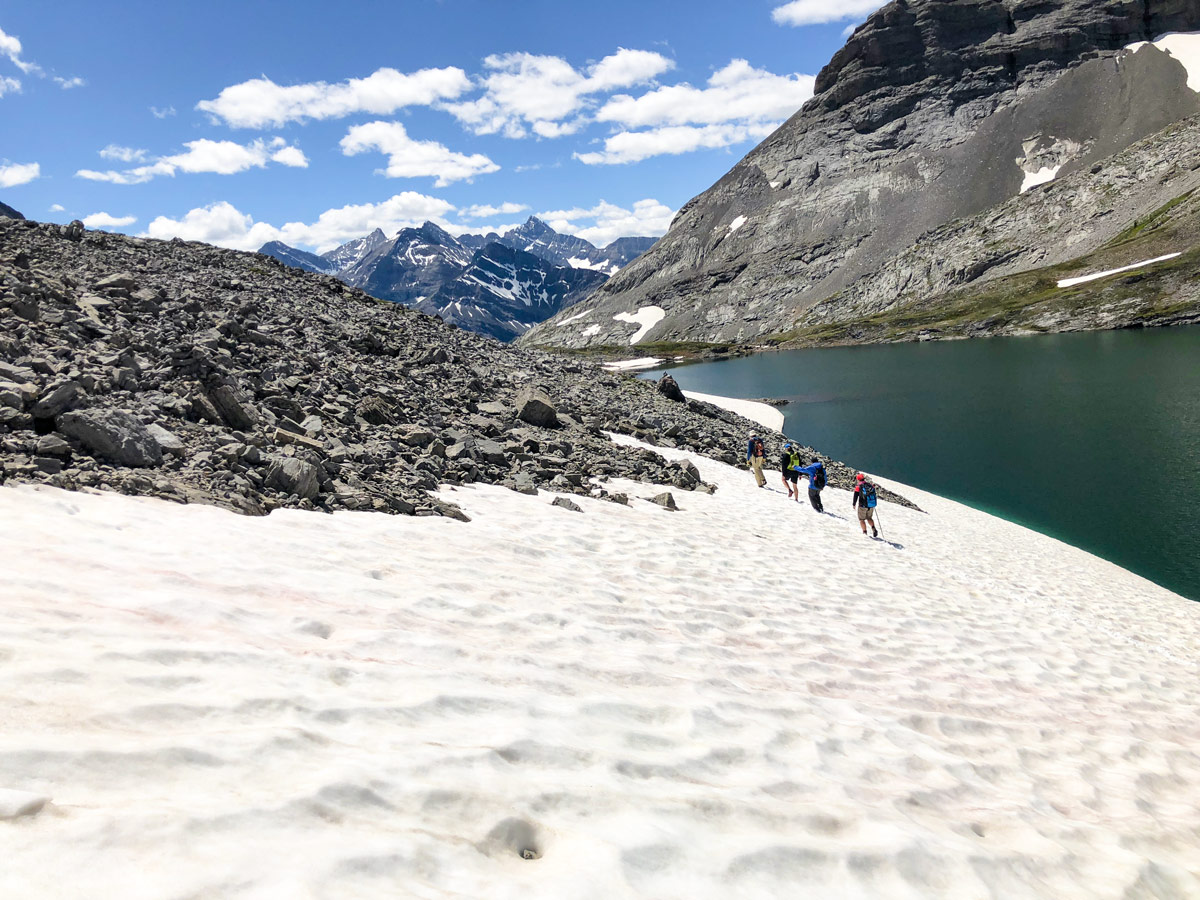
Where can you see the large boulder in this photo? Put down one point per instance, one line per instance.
(289, 475)
(112, 434)
(534, 407)
(63, 398)
(669, 388)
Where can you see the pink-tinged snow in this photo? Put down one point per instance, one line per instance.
(1183, 46)
(740, 699)
(646, 318)
(1083, 279)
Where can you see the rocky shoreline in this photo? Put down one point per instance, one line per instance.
(183, 371)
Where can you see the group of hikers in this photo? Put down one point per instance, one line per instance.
(792, 468)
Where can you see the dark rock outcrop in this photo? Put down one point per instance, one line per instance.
(7, 211)
(933, 111)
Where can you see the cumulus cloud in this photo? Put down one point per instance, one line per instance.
(408, 158)
(485, 212)
(739, 103)
(18, 173)
(67, 83)
(163, 113)
(605, 222)
(9, 85)
(226, 226)
(815, 12)
(122, 154)
(104, 220)
(261, 103)
(546, 94)
(216, 157)
(58, 207)
(10, 47)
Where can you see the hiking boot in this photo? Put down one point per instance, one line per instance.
(874, 533)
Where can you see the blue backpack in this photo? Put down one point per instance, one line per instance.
(866, 495)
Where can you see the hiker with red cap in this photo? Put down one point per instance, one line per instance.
(865, 500)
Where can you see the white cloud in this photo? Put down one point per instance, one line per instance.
(546, 94)
(58, 207)
(10, 47)
(67, 83)
(740, 103)
(226, 226)
(261, 103)
(18, 173)
(291, 156)
(484, 211)
(609, 221)
(413, 159)
(215, 157)
(815, 12)
(635, 146)
(104, 220)
(163, 113)
(9, 85)
(122, 154)
(737, 93)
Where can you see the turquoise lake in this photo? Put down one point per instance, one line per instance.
(1092, 438)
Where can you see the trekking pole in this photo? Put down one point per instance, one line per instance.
(879, 516)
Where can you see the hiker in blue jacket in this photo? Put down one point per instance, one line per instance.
(815, 472)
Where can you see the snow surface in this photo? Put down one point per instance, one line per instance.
(742, 698)
(1083, 279)
(591, 331)
(1183, 46)
(762, 413)
(1041, 176)
(644, 362)
(736, 224)
(608, 268)
(574, 318)
(647, 317)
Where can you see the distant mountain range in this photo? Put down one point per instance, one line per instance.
(495, 284)
(8, 212)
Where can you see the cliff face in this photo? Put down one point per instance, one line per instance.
(934, 110)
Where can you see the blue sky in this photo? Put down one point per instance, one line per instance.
(313, 123)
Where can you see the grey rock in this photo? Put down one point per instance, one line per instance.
(53, 445)
(669, 388)
(289, 475)
(534, 406)
(122, 281)
(65, 397)
(567, 504)
(167, 440)
(665, 500)
(73, 231)
(234, 407)
(112, 434)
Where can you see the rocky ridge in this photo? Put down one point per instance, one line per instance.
(183, 371)
(934, 111)
(8, 212)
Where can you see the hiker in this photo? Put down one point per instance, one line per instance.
(789, 463)
(815, 473)
(756, 451)
(865, 500)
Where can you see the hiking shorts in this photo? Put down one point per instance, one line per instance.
(791, 476)
(865, 513)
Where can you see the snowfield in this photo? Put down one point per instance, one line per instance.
(741, 698)
(646, 318)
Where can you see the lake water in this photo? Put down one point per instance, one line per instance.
(1092, 438)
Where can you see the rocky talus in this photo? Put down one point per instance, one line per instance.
(183, 371)
(934, 111)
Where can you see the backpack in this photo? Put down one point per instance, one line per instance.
(758, 448)
(818, 481)
(866, 495)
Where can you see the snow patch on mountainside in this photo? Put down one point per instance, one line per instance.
(1184, 47)
(1083, 279)
(647, 317)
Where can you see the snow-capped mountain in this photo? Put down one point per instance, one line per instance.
(496, 284)
(353, 252)
(299, 259)
(504, 291)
